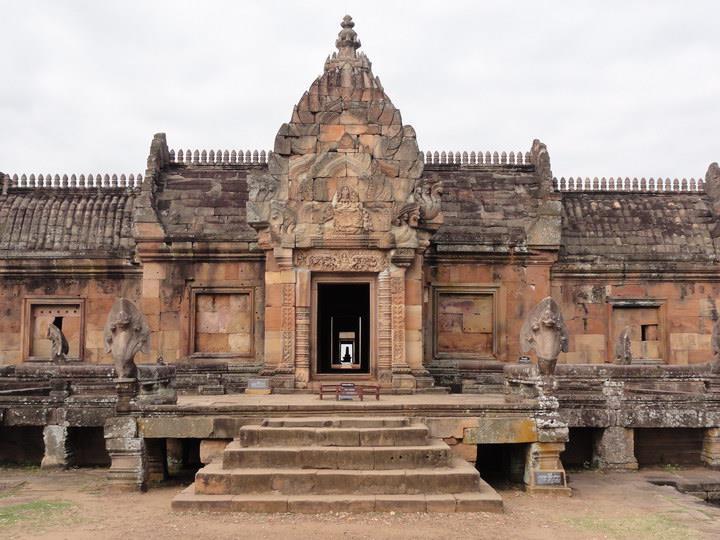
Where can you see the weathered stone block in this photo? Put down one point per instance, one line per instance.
(120, 427)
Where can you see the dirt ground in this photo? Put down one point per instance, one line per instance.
(77, 505)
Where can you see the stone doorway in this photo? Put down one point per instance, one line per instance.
(343, 327)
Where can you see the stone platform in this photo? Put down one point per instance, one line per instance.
(338, 464)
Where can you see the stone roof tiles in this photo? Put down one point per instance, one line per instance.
(610, 228)
(488, 209)
(205, 203)
(67, 222)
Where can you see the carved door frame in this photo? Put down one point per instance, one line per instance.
(322, 277)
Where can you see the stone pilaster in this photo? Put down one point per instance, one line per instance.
(303, 299)
(615, 450)
(384, 357)
(615, 447)
(711, 448)
(58, 454)
(402, 378)
(128, 469)
(280, 319)
(544, 471)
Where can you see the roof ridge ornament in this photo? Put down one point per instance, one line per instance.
(347, 44)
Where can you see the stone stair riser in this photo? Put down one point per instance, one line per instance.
(463, 502)
(268, 436)
(339, 422)
(337, 482)
(352, 458)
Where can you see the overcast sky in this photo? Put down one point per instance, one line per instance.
(628, 88)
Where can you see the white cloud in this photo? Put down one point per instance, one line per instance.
(625, 88)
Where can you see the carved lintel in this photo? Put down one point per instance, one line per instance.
(321, 260)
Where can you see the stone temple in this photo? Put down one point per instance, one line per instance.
(496, 321)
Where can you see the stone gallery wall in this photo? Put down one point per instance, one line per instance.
(596, 311)
(93, 297)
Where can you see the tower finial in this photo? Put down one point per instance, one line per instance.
(347, 41)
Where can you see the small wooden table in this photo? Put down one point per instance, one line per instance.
(349, 391)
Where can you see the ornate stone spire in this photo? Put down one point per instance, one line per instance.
(347, 41)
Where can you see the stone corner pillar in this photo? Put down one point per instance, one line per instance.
(129, 464)
(710, 455)
(614, 450)
(544, 471)
(58, 454)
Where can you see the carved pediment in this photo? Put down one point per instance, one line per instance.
(345, 166)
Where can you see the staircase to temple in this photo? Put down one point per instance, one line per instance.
(314, 465)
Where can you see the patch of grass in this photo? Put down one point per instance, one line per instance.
(655, 526)
(31, 511)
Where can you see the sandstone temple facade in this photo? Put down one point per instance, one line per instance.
(350, 253)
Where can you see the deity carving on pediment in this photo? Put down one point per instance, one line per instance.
(348, 214)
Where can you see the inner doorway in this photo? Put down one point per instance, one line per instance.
(343, 328)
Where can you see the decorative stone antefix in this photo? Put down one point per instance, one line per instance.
(623, 352)
(344, 192)
(59, 347)
(545, 232)
(544, 332)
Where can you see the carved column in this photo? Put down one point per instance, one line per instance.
(288, 327)
(385, 350)
(303, 297)
(402, 378)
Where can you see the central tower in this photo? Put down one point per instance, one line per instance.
(344, 216)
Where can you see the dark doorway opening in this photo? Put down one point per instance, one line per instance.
(87, 447)
(21, 445)
(579, 449)
(343, 328)
(183, 458)
(501, 465)
(668, 446)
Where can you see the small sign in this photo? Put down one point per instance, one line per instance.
(549, 478)
(258, 383)
(524, 360)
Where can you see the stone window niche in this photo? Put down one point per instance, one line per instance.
(646, 319)
(68, 314)
(222, 323)
(465, 322)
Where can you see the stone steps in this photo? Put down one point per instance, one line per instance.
(433, 454)
(338, 422)
(484, 500)
(459, 478)
(414, 435)
(338, 464)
